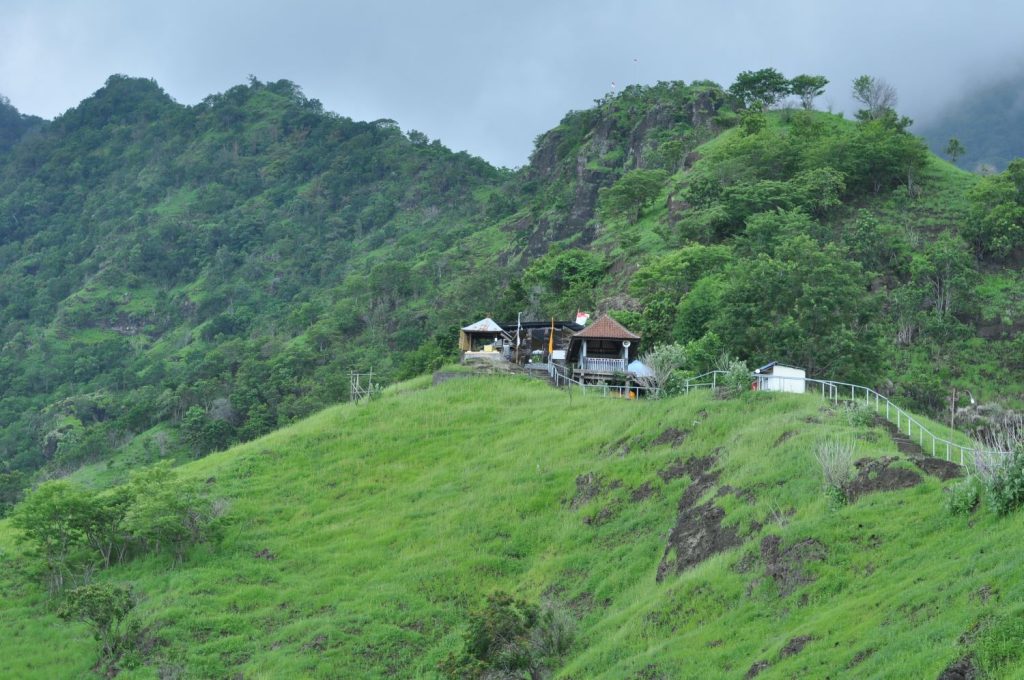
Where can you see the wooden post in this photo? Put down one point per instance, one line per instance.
(952, 409)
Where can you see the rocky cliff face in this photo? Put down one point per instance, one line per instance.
(642, 127)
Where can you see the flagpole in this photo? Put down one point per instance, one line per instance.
(519, 323)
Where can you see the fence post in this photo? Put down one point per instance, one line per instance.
(714, 379)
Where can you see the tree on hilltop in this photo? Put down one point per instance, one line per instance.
(807, 87)
(875, 94)
(765, 87)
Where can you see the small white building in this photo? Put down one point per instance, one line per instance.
(776, 377)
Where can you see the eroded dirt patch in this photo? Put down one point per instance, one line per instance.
(743, 494)
(671, 436)
(649, 672)
(984, 593)
(961, 669)
(317, 644)
(783, 438)
(602, 516)
(795, 646)
(860, 657)
(698, 533)
(936, 467)
(877, 474)
(786, 567)
(756, 669)
(693, 468)
(588, 486)
(641, 493)
(621, 448)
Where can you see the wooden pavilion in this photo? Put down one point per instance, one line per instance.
(602, 350)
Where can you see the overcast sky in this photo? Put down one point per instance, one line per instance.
(487, 76)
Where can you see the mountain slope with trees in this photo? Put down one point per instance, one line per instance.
(175, 278)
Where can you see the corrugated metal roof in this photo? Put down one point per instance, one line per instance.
(483, 326)
(607, 327)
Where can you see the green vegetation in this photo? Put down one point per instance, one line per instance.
(377, 539)
(106, 610)
(176, 279)
(72, 532)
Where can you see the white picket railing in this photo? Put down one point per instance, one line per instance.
(604, 365)
(835, 392)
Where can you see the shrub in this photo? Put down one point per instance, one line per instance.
(510, 638)
(962, 498)
(736, 378)
(663, 361)
(859, 414)
(171, 513)
(106, 609)
(836, 460)
(1003, 478)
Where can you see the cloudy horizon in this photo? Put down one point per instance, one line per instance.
(488, 80)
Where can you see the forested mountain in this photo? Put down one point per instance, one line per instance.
(176, 278)
(988, 120)
(14, 125)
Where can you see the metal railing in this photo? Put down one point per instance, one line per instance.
(836, 391)
(561, 376)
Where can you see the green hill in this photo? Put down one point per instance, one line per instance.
(176, 279)
(362, 539)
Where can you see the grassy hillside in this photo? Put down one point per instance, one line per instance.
(362, 537)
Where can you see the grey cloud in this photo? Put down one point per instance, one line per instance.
(488, 77)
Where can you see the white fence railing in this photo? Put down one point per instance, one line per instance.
(561, 376)
(604, 365)
(835, 392)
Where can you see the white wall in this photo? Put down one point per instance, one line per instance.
(772, 383)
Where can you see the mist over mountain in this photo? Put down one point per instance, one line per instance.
(987, 118)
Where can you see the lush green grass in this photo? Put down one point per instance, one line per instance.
(389, 520)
